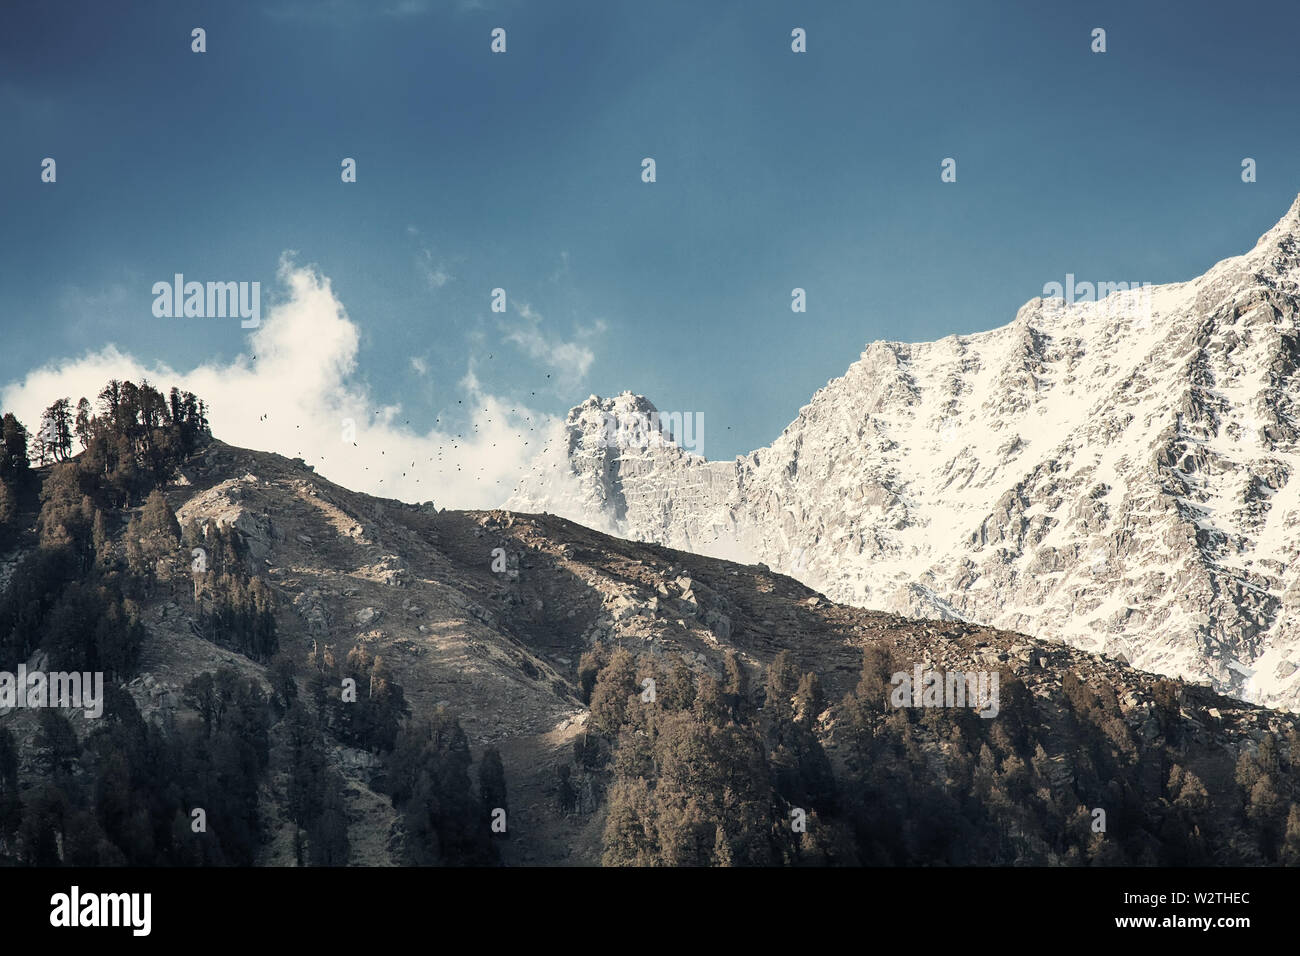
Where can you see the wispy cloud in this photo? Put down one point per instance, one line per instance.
(570, 360)
(435, 270)
(432, 269)
(563, 269)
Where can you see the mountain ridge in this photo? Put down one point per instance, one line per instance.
(521, 629)
(1113, 473)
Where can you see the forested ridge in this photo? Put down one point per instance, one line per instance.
(761, 769)
(121, 790)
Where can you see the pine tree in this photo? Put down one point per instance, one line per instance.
(631, 828)
(735, 686)
(710, 705)
(678, 692)
(1269, 758)
(566, 796)
(808, 700)
(589, 666)
(13, 449)
(1290, 854)
(1104, 852)
(615, 684)
(56, 429)
(721, 848)
(872, 692)
(781, 684)
(1248, 771)
(81, 425)
(8, 506)
(157, 518)
(101, 542)
(1191, 795)
(135, 557)
(282, 675)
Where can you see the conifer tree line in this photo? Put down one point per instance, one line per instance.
(721, 771)
(235, 607)
(127, 793)
(426, 764)
(76, 594)
(122, 793)
(105, 542)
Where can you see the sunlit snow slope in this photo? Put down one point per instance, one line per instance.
(1119, 474)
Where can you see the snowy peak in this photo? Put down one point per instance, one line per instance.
(1116, 468)
(1288, 227)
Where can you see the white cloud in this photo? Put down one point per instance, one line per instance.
(563, 269)
(435, 273)
(570, 360)
(300, 371)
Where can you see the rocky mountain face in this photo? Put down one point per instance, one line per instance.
(1118, 474)
(486, 616)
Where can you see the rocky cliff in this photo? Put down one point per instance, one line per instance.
(1119, 474)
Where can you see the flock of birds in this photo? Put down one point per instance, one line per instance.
(265, 417)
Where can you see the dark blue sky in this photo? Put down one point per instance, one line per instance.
(522, 170)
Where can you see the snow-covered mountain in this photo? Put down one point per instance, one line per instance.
(1120, 474)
